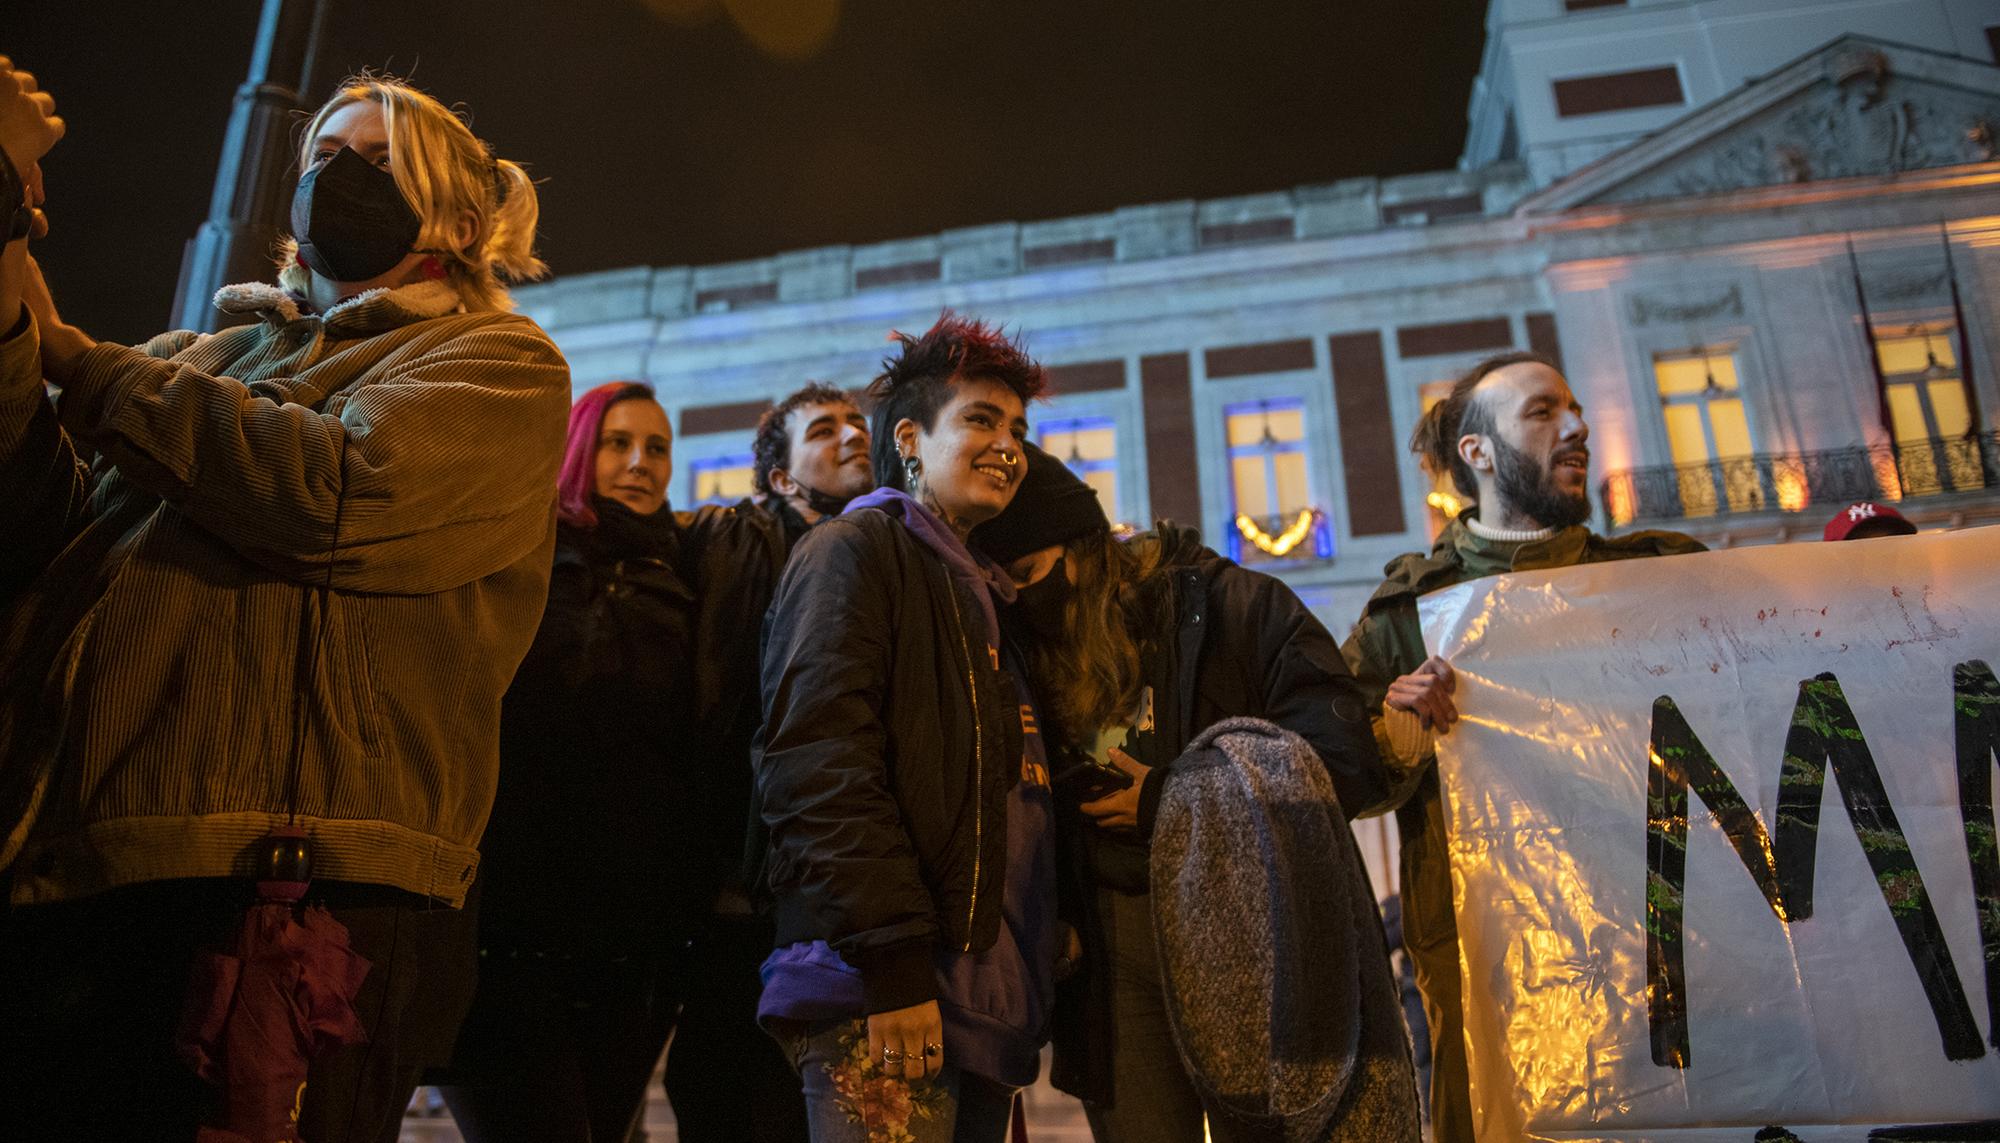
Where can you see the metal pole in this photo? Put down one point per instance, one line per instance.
(252, 203)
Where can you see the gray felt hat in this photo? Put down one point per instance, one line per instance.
(1276, 972)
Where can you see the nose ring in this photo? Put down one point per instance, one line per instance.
(1009, 458)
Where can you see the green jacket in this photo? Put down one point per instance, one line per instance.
(1388, 641)
(1387, 644)
(168, 524)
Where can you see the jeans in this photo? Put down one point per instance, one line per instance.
(848, 1100)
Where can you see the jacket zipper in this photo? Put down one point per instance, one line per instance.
(978, 765)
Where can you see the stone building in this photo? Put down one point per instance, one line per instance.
(1763, 236)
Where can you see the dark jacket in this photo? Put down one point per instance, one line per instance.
(624, 778)
(596, 813)
(732, 557)
(1230, 643)
(890, 742)
(1388, 643)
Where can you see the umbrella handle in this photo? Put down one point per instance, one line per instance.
(284, 860)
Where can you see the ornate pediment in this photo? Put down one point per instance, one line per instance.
(1849, 109)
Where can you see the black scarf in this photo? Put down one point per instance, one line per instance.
(622, 534)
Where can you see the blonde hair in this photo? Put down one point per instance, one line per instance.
(444, 172)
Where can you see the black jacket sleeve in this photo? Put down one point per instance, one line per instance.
(1307, 686)
(732, 557)
(842, 865)
(1309, 691)
(555, 669)
(44, 483)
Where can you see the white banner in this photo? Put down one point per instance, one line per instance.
(1721, 838)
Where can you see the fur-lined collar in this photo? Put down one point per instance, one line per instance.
(370, 312)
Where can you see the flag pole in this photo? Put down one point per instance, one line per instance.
(1874, 354)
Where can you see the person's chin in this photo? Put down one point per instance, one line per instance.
(997, 502)
(1569, 488)
(982, 508)
(1578, 507)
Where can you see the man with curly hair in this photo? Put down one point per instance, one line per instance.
(811, 457)
(725, 1078)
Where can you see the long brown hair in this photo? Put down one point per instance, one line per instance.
(1092, 677)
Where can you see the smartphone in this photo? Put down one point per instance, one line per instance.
(1088, 781)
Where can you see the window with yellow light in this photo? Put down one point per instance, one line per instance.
(1270, 490)
(1702, 405)
(1089, 446)
(1928, 407)
(722, 479)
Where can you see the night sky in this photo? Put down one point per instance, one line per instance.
(668, 136)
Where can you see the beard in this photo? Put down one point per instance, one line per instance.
(1529, 487)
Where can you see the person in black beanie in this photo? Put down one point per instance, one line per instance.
(1133, 648)
(1064, 508)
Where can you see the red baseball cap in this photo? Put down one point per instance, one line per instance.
(1870, 519)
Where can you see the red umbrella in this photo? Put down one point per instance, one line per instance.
(258, 1015)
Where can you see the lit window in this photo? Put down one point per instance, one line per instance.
(1089, 446)
(1928, 409)
(1707, 430)
(1270, 495)
(722, 479)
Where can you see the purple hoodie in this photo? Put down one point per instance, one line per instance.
(995, 1003)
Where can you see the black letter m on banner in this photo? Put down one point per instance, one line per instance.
(1823, 733)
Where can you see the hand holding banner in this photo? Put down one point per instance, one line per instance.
(1722, 840)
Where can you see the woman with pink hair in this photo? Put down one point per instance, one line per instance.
(586, 884)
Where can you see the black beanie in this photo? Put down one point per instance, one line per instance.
(1053, 506)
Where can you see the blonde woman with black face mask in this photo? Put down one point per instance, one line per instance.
(273, 577)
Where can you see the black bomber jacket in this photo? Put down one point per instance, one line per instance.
(891, 740)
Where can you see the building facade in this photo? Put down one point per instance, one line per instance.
(1763, 237)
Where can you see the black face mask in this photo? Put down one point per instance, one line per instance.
(1041, 605)
(350, 220)
(819, 501)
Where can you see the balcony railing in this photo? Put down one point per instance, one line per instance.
(1798, 481)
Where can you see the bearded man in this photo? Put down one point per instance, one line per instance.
(1513, 438)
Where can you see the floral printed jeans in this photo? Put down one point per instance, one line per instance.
(849, 1100)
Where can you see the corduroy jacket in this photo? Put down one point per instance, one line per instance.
(171, 519)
